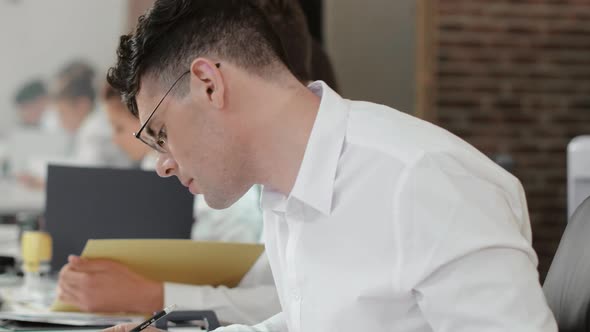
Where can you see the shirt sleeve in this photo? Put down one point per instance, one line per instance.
(469, 259)
(274, 324)
(245, 305)
(254, 300)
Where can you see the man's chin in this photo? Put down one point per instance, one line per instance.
(218, 203)
(193, 188)
(193, 191)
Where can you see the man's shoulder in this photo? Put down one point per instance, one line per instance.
(397, 134)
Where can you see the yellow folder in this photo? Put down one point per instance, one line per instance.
(178, 261)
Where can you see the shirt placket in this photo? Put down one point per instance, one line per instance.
(294, 273)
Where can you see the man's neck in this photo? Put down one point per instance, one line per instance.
(281, 141)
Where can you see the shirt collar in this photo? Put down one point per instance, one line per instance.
(314, 185)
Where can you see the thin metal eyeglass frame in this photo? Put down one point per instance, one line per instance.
(137, 135)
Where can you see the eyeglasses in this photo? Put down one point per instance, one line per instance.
(157, 141)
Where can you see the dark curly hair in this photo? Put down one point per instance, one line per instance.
(174, 32)
(30, 91)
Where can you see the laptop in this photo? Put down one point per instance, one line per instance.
(101, 203)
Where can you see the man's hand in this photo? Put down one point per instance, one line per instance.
(128, 327)
(107, 286)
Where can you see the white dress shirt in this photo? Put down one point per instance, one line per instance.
(255, 299)
(394, 224)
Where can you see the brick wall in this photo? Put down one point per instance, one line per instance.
(513, 76)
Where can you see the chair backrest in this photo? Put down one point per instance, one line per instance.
(578, 172)
(567, 286)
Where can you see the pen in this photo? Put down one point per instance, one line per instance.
(154, 318)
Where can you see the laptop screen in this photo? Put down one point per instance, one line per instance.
(99, 203)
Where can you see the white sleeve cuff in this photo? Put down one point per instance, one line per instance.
(185, 297)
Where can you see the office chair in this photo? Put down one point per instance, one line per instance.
(578, 172)
(567, 286)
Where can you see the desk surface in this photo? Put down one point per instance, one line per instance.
(15, 198)
(10, 286)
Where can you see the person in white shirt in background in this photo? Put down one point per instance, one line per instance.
(373, 220)
(80, 115)
(36, 137)
(73, 95)
(32, 103)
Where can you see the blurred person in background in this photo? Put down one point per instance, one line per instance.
(37, 123)
(31, 101)
(123, 125)
(255, 298)
(73, 95)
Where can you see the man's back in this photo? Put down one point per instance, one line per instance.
(394, 224)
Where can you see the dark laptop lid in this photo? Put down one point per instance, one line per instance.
(99, 203)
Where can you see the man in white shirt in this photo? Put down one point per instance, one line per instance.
(374, 220)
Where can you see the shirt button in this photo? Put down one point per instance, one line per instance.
(295, 295)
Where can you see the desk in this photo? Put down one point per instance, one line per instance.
(15, 198)
(10, 287)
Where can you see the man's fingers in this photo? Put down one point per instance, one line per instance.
(74, 260)
(92, 265)
(74, 281)
(67, 297)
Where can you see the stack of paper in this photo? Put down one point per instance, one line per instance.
(70, 318)
(178, 261)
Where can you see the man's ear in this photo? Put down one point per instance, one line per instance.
(207, 83)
